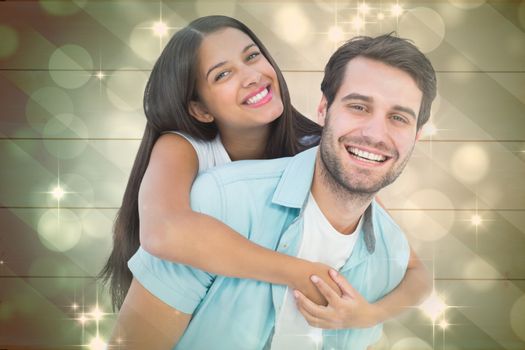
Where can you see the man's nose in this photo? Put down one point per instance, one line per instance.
(251, 76)
(375, 127)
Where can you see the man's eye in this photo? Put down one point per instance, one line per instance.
(221, 75)
(399, 118)
(359, 108)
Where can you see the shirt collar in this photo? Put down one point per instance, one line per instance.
(294, 187)
(296, 180)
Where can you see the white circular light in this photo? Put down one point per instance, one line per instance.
(423, 25)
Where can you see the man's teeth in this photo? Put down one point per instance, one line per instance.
(258, 97)
(366, 155)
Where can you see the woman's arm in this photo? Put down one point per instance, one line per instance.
(170, 230)
(352, 310)
(145, 322)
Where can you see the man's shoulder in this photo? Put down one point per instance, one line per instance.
(244, 170)
(387, 231)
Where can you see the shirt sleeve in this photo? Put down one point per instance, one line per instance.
(180, 286)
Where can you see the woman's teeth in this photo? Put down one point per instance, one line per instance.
(366, 155)
(258, 97)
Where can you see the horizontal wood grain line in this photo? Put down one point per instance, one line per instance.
(138, 139)
(435, 279)
(390, 209)
(283, 70)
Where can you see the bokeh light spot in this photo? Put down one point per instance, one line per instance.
(140, 41)
(411, 344)
(70, 66)
(467, 4)
(423, 25)
(335, 34)
(62, 8)
(221, 7)
(46, 103)
(125, 89)
(428, 225)
(65, 125)
(292, 24)
(9, 40)
(517, 317)
(59, 229)
(470, 163)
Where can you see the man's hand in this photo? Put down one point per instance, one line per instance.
(301, 281)
(349, 310)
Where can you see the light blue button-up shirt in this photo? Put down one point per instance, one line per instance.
(263, 200)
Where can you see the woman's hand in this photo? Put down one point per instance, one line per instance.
(349, 310)
(301, 280)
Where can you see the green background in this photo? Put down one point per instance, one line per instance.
(60, 124)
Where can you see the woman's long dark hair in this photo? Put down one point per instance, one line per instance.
(170, 88)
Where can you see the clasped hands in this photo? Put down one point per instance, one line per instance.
(328, 301)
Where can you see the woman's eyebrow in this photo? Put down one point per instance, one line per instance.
(249, 46)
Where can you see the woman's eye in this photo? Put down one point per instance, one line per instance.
(252, 56)
(221, 75)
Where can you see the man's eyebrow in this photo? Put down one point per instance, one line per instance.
(356, 96)
(407, 110)
(224, 62)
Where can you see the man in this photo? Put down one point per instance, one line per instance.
(377, 94)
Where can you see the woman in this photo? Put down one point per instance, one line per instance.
(217, 85)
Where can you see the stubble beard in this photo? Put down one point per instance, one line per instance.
(351, 186)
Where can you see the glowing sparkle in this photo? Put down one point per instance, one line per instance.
(119, 340)
(396, 10)
(380, 16)
(74, 306)
(1, 262)
(443, 324)
(317, 337)
(476, 220)
(97, 344)
(433, 306)
(429, 129)
(160, 29)
(58, 192)
(358, 22)
(100, 75)
(82, 319)
(363, 8)
(96, 314)
(335, 34)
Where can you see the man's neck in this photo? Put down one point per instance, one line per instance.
(342, 208)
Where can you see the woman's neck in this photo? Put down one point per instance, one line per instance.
(246, 144)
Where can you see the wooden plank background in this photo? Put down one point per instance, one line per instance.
(60, 123)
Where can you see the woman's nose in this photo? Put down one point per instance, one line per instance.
(251, 76)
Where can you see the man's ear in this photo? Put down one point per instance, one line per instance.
(321, 111)
(198, 111)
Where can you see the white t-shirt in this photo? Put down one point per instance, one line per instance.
(210, 153)
(321, 242)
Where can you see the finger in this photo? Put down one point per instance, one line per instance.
(313, 320)
(312, 308)
(331, 296)
(343, 284)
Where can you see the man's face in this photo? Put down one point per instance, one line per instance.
(370, 128)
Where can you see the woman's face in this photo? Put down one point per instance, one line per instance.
(236, 84)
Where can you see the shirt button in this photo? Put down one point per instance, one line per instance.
(284, 245)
